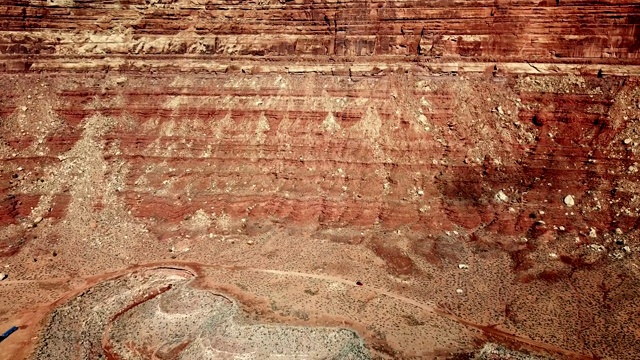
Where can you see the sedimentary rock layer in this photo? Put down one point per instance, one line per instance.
(480, 157)
(423, 173)
(545, 30)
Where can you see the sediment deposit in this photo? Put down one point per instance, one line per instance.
(472, 164)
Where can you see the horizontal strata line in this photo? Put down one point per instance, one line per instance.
(181, 64)
(543, 159)
(242, 93)
(316, 202)
(537, 33)
(260, 159)
(544, 167)
(379, 14)
(536, 26)
(307, 4)
(245, 93)
(381, 27)
(355, 5)
(337, 61)
(238, 94)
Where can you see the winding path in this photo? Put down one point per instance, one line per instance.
(191, 269)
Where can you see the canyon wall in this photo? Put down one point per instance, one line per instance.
(478, 155)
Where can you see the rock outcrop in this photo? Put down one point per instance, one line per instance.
(481, 156)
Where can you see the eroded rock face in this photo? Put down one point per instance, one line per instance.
(473, 160)
(515, 30)
(404, 168)
(194, 155)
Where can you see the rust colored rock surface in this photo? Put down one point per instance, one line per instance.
(492, 30)
(474, 165)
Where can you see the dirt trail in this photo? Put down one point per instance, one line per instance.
(34, 317)
(488, 330)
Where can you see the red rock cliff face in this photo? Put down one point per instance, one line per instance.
(422, 139)
(564, 30)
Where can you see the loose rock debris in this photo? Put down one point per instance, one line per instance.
(569, 201)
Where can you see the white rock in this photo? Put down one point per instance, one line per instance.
(3, 276)
(618, 255)
(37, 220)
(596, 247)
(24, 108)
(627, 141)
(459, 291)
(501, 196)
(420, 192)
(250, 242)
(561, 228)
(626, 249)
(463, 266)
(568, 200)
(618, 231)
